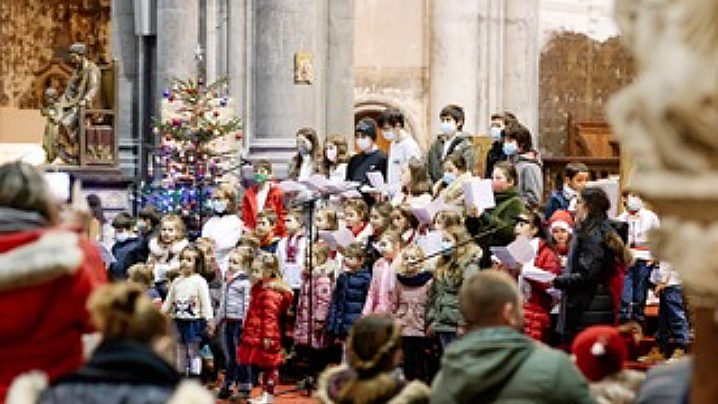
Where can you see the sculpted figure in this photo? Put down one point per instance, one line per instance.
(668, 119)
(81, 92)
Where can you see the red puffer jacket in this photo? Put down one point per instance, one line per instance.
(261, 342)
(537, 309)
(46, 277)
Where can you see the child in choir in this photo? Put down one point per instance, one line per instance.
(290, 250)
(451, 187)
(415, 184)
(379, 221)
(188, 304)
(575, 177)
(142, 275)
(224, 227)
(446, 219)
(261, 342)
(459, 259)
(404, 222)
(381, 292)
(350, 291)
(264, 195)
(411, 298)
(236, 292)
(316, 294)
(356, 218)
(165, 250)
(266, 225)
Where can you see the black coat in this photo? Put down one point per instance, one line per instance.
(585, 284)
(119, 372)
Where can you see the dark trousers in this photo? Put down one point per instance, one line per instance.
(417, 357)
(672, 320)
(635, 291)
(236, 373)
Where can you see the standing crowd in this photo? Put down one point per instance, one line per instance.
(401, 284)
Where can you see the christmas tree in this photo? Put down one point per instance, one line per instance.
(197, 137)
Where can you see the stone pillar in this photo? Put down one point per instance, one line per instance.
(491, 62)
(177, 38)
(239, 57)
(521, 61)
(340, 68)
(124, 53)
(454, 60)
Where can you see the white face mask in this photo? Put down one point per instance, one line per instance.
(448, 128)
(388, 134)
(633, 203)
(496, 133)
(220, 206)
(121, 237)
(331, 154)
(364, 143)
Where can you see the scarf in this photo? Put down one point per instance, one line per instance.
(15, 220)
(571, 195)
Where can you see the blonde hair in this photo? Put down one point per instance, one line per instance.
(228, 192)
(179, 225)
(447, 267)
(123, 311)
(331, 218)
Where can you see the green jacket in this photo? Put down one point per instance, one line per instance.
(443, 314)
(501, 365)
(462, 144)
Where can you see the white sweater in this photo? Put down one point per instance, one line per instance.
(225, 231)
(188, 299)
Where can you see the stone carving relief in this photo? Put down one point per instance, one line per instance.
(34, 33)
(577, 76)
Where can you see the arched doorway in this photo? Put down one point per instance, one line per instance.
(373, 109)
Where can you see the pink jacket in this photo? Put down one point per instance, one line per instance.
(322, 285)
(411, 298)
(381, 291)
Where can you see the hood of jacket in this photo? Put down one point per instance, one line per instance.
(476, 367)
(33, 257)
(415, 280)
(386, 388)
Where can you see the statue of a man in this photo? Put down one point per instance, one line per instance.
(81, 92)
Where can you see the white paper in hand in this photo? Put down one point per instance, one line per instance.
(515, 254)
(479, 194)
(339, 238)
(289, 186)
(430, 243)
(530, 272)
(426, 213)
(376, 179)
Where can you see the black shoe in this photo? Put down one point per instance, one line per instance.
(224, 393)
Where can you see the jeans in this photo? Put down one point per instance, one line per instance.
(635, 292)
(236, 373)
(672, 320)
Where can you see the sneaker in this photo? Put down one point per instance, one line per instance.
(265, 399)
(653, 357)
(678, 353)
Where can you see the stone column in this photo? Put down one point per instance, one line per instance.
(340, 68)
(521, 61)
(454, 60)
(491, 62)
(124, 52)
(177, 38)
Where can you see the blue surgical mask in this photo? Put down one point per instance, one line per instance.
(496, 133)
(510, 148)
(447, 248)
(449, 178)
(364, 143)
(448, 128)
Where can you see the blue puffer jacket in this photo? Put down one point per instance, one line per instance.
(348, 301)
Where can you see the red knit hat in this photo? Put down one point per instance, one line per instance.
(561, 219)
(599, 351)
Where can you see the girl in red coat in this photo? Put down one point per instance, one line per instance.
(264, 195)
(261, 343)
(550, 257)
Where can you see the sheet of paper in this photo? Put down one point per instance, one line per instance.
(426, 213)
(478, 193)
(515, 254)
(289, 186)
(339, 238)
(504, 256)
(430, 243)
(530, 272)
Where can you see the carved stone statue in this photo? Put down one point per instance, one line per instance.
(81, 92)
(667, 122)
